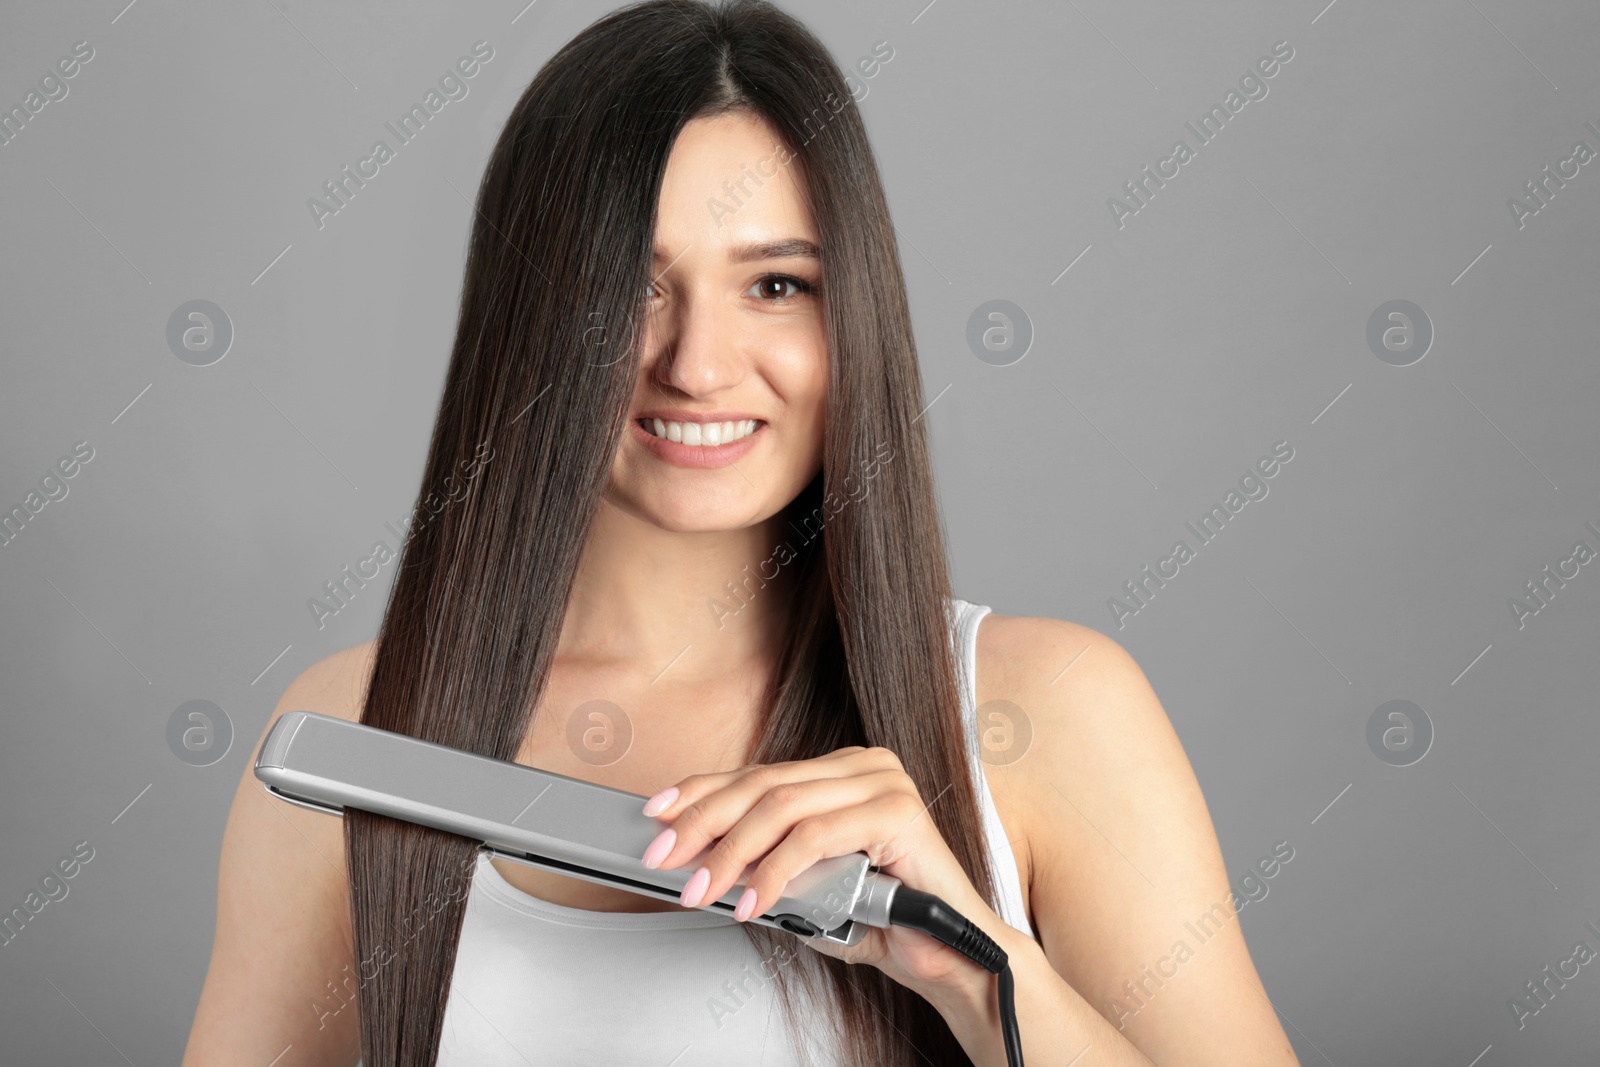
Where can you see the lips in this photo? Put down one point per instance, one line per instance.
(699, 457)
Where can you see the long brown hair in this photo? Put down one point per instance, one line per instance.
(542, 370)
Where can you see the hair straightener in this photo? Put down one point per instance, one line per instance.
(587, 831)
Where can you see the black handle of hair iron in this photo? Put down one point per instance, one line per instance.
(583, 830)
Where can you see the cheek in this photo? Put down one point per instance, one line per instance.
(808, 409)
(804, 419)
(799, 373)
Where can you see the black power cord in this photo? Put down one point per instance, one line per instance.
(930, 915)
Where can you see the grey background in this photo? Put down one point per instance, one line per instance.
(1228, 314)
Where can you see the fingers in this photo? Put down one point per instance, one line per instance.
(742, 815)
(784, 810)
(751, 814)
(885, 828)
(695, 786)
(788, 826)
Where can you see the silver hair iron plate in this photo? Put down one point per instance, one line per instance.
(540, 819)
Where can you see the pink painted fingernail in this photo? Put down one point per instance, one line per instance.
(747, 904)
(658, 803)
(660, 847)
(696, 888)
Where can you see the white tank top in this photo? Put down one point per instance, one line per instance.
(537, 982)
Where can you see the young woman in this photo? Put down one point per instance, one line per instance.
(686, 544)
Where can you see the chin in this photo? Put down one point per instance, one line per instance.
(682, 512)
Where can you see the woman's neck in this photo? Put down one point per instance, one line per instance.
(697, 605)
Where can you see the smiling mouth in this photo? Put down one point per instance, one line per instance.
(705, 435)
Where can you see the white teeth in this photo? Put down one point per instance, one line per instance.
(710, 433)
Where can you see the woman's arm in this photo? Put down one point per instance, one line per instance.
(1130, 897)
(283, 976)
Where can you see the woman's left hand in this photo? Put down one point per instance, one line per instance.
(784, 817)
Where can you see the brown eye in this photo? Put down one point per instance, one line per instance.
(779, 281)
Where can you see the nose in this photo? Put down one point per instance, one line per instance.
(699, 347)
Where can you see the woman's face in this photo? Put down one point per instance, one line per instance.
(734, 335)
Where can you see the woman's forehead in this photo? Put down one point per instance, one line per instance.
(731, 184)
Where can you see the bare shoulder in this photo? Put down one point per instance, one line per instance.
(335, 685)
(1075, 692)
(1052, 695)
(283, 937)
(1094, 746)
(1124, 861)
(1017, 652)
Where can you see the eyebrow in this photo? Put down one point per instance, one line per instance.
(786, 248)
